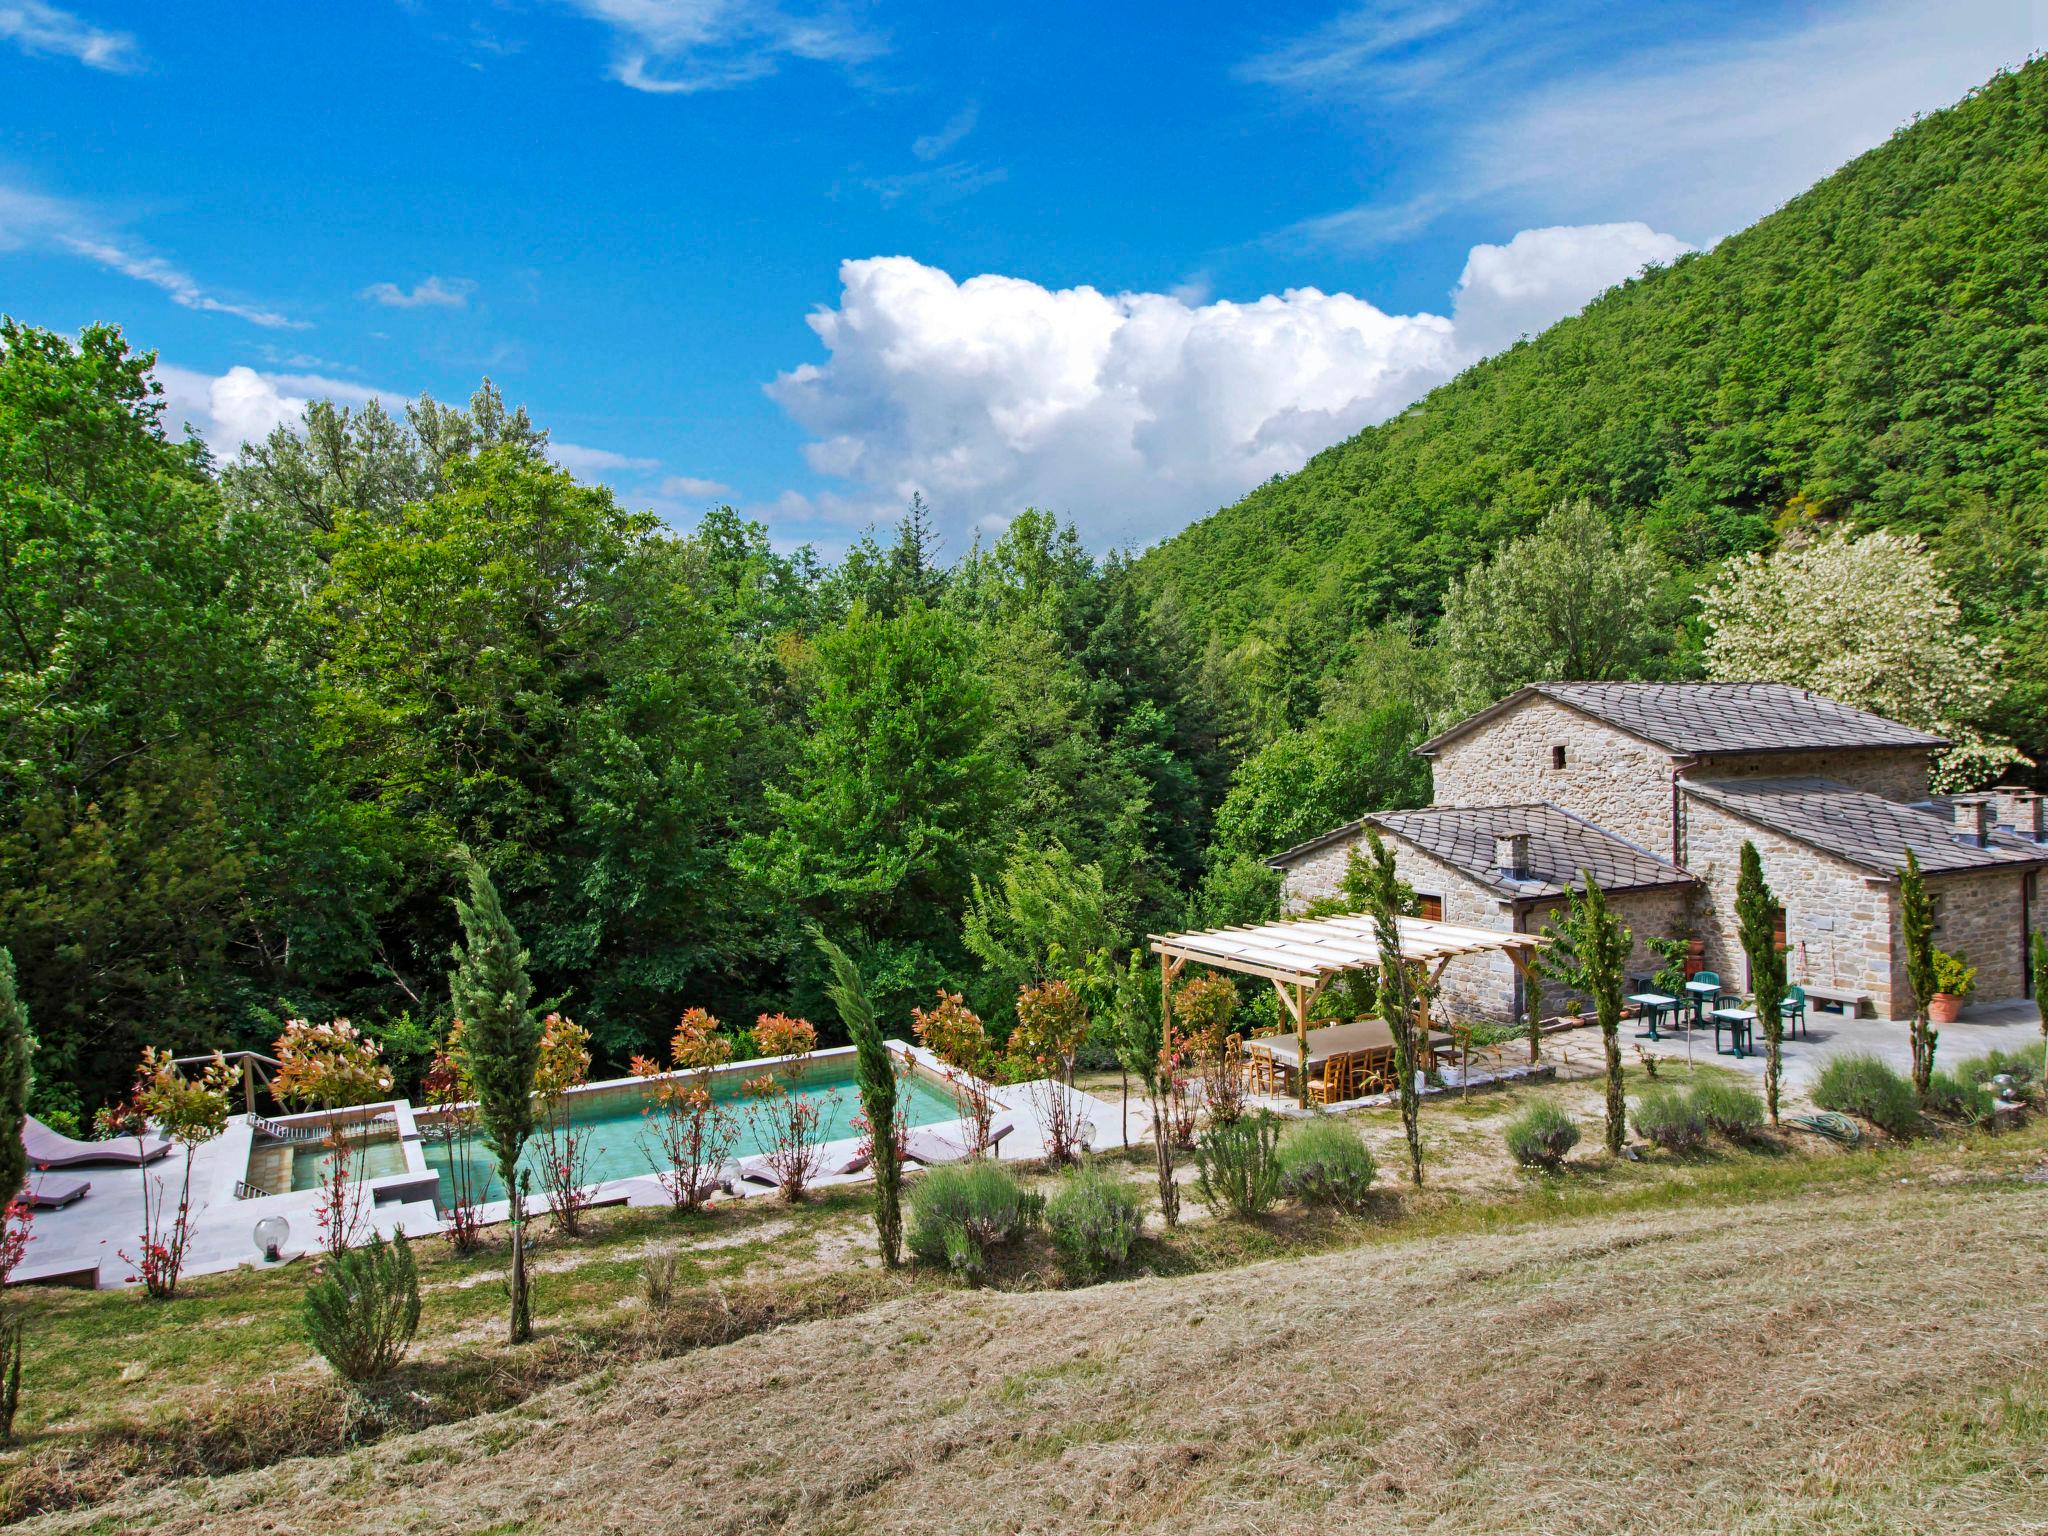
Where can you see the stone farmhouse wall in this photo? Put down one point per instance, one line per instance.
(1649, 915)
(1976, 915)
(1893, 773)
(1609, 777)
(1483, 986)
(1838, 918)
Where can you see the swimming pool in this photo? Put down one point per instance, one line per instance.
(623, 1145)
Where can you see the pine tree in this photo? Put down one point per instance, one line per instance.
(876, 1074)
(1399, 1003)
(1916, 918)
(1756, 915)
(1600, 945)
(499, 1049)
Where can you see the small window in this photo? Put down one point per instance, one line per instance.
(1429, 907)
(1557, 756)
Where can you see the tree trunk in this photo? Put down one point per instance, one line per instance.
(1162, 1148)
(522, 1306)
(1774, 1034)
(1617, 1105)
(888, 1199)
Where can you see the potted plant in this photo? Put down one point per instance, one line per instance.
(1954, 979)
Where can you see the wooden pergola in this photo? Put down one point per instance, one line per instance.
(1301, 955)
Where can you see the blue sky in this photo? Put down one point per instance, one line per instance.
(1122, 262)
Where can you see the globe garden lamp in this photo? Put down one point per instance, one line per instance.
(271, 1233)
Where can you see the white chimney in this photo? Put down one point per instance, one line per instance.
(1973, 819)
(2020, 811)
(1511, 855)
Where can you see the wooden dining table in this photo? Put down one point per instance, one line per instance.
(1355, 1038)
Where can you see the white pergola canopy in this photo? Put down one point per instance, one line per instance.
(1300, 956)
(1308, 951)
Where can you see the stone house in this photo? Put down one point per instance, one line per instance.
(1654, 787)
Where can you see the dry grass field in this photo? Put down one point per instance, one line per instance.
(1769, 1344)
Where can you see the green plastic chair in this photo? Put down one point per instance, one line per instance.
(1794, 1009)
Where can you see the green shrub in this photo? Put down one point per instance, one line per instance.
(1540, 1135)
(1093, 1219)
(961, 1212)
(1235, 1166)
(1865, 1087)
(363, 1310)
(1959, 1099)
(1667, 1118)
(1324, 1163)
(2023, 1066)
(1729, 1108)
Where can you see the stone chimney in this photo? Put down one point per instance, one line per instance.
(1973, 822)
(2020, 811)
(1511, 855)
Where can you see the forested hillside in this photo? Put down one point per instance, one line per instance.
(1876, 352)
(249, 711)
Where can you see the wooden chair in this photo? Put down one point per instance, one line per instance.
(1373, 1073)
(1333, 1086)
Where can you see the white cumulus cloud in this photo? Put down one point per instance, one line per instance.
(245, 406)
(1134, 412)
(1507, 291)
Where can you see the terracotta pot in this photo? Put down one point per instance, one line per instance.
(1944, 1008)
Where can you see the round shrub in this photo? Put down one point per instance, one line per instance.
(1730, 1108)
(363, 1310)
(1958, 1099)
(1666, 1118)
(1540, 1135)
(1865, 1087)
(1093, 1220)
(1235, 1166)
(959, 1213)
(1324, 1163)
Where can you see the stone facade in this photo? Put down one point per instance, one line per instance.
(1838, 918)
(1898, 773)
(1978, 916)
(1483, 986)
(1841, 920)
(1609, 777)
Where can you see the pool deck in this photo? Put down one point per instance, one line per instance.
(82, 1244)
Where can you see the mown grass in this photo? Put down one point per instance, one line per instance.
(118, 1388)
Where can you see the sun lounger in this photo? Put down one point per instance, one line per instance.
(931, 1148)
(757, 1170)
(47, 1149)
(54, 1191)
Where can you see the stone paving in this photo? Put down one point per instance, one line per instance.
(1983, 1028)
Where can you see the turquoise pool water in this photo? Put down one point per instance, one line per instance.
(622, 1144)
(374, 1157)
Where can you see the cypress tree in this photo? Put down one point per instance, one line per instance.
(1600, 945)
(499, 1050)
(876, 1075)
(1756, 911)
(1916, 919)
(1399, 1002)
(2039, 951)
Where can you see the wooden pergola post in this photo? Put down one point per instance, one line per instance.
(1532, 1001)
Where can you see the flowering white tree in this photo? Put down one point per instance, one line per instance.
(1868, 621)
